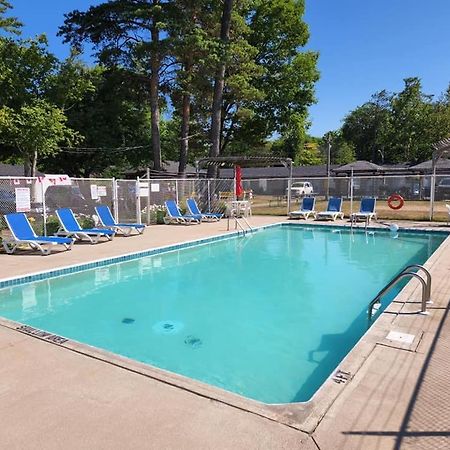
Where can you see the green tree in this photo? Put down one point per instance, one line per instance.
(113, 118)
(219, 83)
(398, 127)
(341, 151)
(35, 130)
(410, 126)
(8, 24)
(366, 126)
(33, 82)
(127, 34)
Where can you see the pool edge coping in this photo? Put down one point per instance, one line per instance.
(304, 416)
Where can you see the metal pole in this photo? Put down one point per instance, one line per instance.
(289, 188)
(209, 195)
(44, 208)
(115, 200)
(328, 164)
(351, 193)
(138, 201)
(432, 189)
(148, 195)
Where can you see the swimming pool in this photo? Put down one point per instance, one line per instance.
(268, 316)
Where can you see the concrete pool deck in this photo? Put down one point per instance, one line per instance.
(54, 397)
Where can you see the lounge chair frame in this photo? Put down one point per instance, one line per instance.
(42, 243)
(93, 235)
(178, 218)
(124, 228)
(330, 214)
(366, 216)
(304, 213)
(194, 210)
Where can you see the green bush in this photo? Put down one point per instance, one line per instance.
(86, 222)
(52, 225)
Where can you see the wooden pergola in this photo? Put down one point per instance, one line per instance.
(248, 161)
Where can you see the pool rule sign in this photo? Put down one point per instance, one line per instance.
(23, 199)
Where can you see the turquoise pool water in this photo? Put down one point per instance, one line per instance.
(268, 316)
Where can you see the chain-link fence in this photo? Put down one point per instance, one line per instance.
(143, 200)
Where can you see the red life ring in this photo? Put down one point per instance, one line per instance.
(395, 201)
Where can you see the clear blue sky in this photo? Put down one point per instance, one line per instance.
(364, 46)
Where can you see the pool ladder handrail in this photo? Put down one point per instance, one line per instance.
(406, 272)
(237, 223)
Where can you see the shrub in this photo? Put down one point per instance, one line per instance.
(52, 225)
(86, 221)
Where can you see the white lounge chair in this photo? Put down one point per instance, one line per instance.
(307, 209)
(333, 211)
(366, 210)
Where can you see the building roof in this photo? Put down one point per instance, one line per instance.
(14, 170)
(359, 166)
(441, 164)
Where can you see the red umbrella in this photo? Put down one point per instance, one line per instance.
(238, 177)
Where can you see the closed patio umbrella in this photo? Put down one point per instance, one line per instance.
(239, 190)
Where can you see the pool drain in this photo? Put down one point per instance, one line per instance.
(127, 320)
(167, 327)
(193, 341)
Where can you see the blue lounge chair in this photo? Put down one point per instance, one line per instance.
(333, 210)
(174, 215)
(195, 211)
(307, 209)
(71, 228)
(23, 233)
(107, 220)
(366, 210)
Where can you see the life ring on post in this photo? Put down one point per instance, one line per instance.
(395, 201)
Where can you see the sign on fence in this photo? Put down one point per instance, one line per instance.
(23, 199)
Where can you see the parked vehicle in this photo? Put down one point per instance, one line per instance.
(301, 188)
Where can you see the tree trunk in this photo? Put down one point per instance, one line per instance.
(154, 94)
(219, 82)
(33, 163)
(29, 164)
(185, 118)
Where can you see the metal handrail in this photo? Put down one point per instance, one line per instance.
(237, 222)
(427, 274)
(246, 222)
(426, 288)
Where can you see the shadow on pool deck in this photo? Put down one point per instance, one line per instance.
(426, 423)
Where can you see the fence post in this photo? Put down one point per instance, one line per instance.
(115, 200)
(138, 201)
(148, 195)
(209, 196)
(44, 209)
(432, 194)
(289, 199)
(176, 191)
(351, 193)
